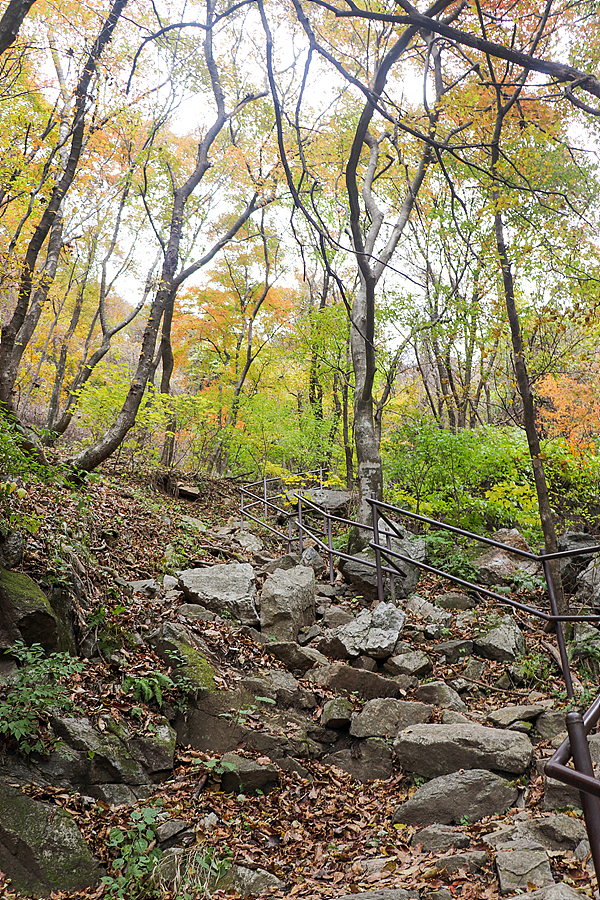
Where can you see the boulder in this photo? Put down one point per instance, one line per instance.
(180, 648)
(366, 685)
(287, 602)
(227, 588)
(285, 562)
(372, 633)
(295, 657)
(505, 643)
(438, 693)
(440, 838)
(501, 567)
(330, 500)
(450, 798)
(570, 567)
(426, 610)
(455, 600)
(455, 651)
(588, 583)
(360, 571)
(25, 613)
(414, 662)
(472, 861)
(431, 750)
(337, 713)
(370, 760)
(508, 715)
(385, 717)
(241, 774)
(521, 864)
(248, 882)
(311, 557)
(12, 547)
(41, 847)
(249, 542)
(334, 616)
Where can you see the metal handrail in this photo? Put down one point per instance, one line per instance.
(386, 564)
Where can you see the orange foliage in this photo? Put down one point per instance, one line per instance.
(572, 406)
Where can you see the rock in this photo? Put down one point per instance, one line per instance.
(307, 635)
(588, 583)
(449, 798)
(384, 894)
(12, 547)
(371, 760)
(372, 633)
(473, 861)
(295, 657)
(249, 542)
(440, 694)
(520, 867)
(288, 602)
(508, 715)
(248, 881)
(360, 571)
(337, 713)
(425, 610)
(196, 613)
(241, 774)
(560, 891)
(341, 677)
(455, 600)
(560, 832)
(285, 562)
(148, 587)
(364, 662)
(560, 796)
(25, 613)
(179, 648)
(570, 567)
(334, 616)
(431, 750)
(331, 500)
(227, 589)
(455, 650)
(385, 717)
(198, 524)
(502, 644)
(453, 717)
(311, 557)
(501, 567)
(440, 838)
(41, 847)
(414, 663)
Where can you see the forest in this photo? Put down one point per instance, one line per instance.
(240, 238)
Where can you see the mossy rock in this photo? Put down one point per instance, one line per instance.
(25, 613)
(41, 847)
(177, 647)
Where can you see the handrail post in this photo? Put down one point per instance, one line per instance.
(583, 763)
(560, 635)
(290, 532)
(388, 543)
(265, 494)
(330, 548)
(300, 546)
(373, 503)
(242, 509)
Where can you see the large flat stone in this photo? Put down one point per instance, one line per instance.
(287, 602)
(448, 799)
(341, 677)
(371, 760)
(385, 717)
(227, 589)
(431, 750)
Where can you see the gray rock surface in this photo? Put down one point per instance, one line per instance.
(417, 606)
(496, 566)
(455, 600)
(385, 717)
(440, 838)
(507, 715)
(241, 774)
(227, 588)
(296, 657)
(372, 633)
(432, 750)
(505, 643)
(287, 602)
(455, 651)
(370, 760)
(41, 847)
(521, 866)
(25, 613)
(366, 685)
(337, 713)
(438, 693)
(447, 799)
(12, 547)
(415, 662)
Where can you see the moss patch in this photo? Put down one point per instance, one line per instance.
(195, 668)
